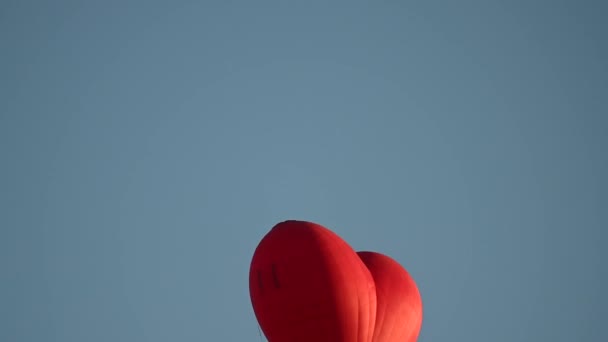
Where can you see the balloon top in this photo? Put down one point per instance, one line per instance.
(286, 222)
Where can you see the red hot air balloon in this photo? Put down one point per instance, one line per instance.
(399, 305)
(308, 285)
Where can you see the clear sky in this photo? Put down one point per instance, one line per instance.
(146, 148)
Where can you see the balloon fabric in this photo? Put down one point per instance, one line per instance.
(308, 284)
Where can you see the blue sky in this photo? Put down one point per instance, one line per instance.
(148, 146)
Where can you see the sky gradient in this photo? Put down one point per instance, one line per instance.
(147, 147)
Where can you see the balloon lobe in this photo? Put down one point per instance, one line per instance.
(307, 284)
(399, 305)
